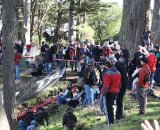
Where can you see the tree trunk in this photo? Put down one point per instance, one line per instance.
(26, 21)
(124, 31)
(71, 26)
(156, 21)
(33, 12)
(58, 25)
(8, 32)
(77, 32)
(40, 35)
(138, 22)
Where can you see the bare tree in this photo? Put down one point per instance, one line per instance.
(8, 31)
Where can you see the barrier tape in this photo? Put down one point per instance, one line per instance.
(73, 60)
(27, 57)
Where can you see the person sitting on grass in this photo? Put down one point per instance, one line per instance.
(69, 119)
(22, 125)
(33, 125)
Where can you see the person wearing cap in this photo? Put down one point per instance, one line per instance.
(110, 88)
(143, 85)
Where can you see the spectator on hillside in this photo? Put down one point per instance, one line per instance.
(90, 80)
(152, 61)
(69, 119)
(120, 66)
(28, 58)
(48, 60)
(111, 88)
(17, 59)
(157, 73)
(33, 125)
(53, 51)
(143, 85)
(145, 37)
(22, 125)
(37, 69)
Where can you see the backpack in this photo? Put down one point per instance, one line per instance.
(95, 76)
(147, 76)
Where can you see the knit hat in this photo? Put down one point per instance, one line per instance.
(143, 59)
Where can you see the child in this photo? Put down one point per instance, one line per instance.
(69, 119)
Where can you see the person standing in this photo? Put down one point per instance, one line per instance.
(110, 88)
(152, 61)
(48, 60)
(143, 85)
(17, 59)
(119, 102)
(89, 83)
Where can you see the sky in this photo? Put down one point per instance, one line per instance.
(120, 2)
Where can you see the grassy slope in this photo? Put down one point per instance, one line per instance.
(92, 120)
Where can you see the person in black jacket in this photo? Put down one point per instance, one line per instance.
(120, 108)
(48, 60)
(69, 119)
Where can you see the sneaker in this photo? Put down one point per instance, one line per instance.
(141, 113)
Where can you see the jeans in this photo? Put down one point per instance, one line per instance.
(89, 99)
(17, 72)
(101, 102)
(142, 99)
(61, 100)
(28, 64)
(48, 68)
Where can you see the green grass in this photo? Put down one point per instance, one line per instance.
(92, 120)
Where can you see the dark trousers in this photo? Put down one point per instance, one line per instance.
(142, 99)
(110, 97)
(120, 105)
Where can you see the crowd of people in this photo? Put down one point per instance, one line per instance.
(98, 68)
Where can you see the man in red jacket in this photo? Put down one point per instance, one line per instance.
(152, 61)
(111, 87)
